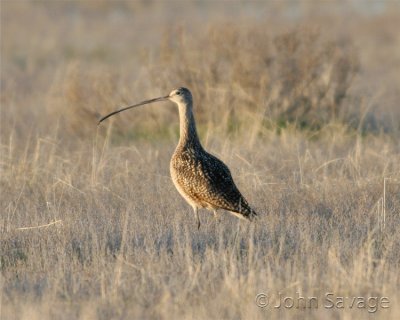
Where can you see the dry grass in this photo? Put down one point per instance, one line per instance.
(91, 225)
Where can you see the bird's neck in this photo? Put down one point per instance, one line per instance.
(188, 133)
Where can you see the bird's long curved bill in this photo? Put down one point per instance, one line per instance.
(133, 106)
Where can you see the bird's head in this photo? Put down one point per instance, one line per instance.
(179, 96)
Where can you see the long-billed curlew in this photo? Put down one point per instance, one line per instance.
(202, 179)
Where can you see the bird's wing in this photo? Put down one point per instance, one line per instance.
(218, 188)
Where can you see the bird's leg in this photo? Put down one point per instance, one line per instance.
(196, 213)
(216, 216)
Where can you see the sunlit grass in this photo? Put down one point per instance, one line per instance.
(91, 225)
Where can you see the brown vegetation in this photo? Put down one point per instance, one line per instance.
(304, 110)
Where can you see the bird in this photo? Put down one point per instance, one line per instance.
(202, 179)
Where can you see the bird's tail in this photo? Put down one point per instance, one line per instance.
(248, 217)
(251, 215)
(245, 212)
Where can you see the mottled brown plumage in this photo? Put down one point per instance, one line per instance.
(201, 178)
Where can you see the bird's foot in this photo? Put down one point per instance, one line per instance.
(216, 216)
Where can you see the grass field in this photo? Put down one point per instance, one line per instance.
(299, 100)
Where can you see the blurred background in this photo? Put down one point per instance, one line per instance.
(273, 63)
(299, 99)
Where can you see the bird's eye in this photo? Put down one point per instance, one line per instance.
(178, 93)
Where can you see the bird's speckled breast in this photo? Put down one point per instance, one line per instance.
(186, 169)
